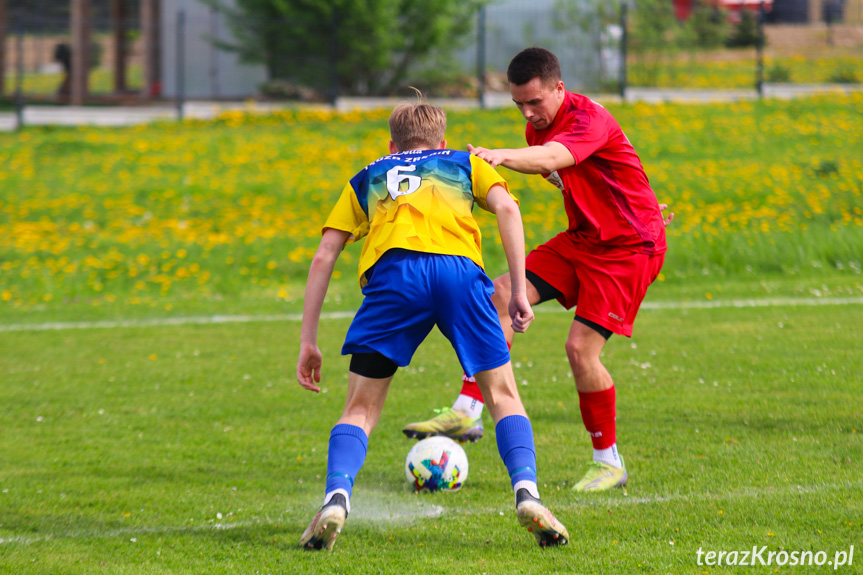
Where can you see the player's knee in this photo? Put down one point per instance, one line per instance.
(583, 360)
(580, 358)
(574, 352)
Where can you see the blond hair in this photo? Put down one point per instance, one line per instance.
(417, 125)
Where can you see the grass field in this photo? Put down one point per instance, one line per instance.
(728, 70)
(185, 218)
(162, 445)
(718, 69)
(190, 449)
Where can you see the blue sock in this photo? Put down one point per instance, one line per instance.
(347, 453)
(515, 445)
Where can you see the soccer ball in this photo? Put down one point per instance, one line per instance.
(436, 464)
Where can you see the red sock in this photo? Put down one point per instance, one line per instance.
(598, 413)
(469, 386)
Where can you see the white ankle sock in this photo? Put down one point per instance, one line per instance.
(608, 456)
(529, 485)
(329, 496)
(468, 405)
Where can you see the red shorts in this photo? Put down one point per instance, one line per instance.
(606, 284)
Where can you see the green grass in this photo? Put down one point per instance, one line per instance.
(721, 69)
(101, 81)
(225, 215)
(191, 449)
(737, 69)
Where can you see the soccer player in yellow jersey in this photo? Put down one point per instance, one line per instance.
(421, 266)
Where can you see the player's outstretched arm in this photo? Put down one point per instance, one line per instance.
(512, 236)
(530, 160)
(320, 272)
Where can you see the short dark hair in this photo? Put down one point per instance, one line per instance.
(533, 63)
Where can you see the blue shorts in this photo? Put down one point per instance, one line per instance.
(410, 292)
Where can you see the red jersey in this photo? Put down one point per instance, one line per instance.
(608, 200)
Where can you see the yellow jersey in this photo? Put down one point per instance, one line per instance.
(419, 200)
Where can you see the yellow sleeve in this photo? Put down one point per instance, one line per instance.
(484, 177)
(348, 216)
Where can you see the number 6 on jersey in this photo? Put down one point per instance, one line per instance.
(395, 179)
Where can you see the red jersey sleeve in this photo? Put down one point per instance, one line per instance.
(581, 132)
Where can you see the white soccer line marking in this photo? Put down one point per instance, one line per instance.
(745, 303)
(295, 317)
(190, 320)
(374, 516)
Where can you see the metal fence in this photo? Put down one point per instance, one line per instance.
(602, 46)
(38, 59)
(586, 37)
(743, 49)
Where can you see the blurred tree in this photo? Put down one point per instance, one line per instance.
(707, 26)
(592, 28)
(655, 39)
(374, 43)
(745, 33)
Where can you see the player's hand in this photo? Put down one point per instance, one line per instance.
(520, 312)
(666, 220)
(493, 157)
(309, 367)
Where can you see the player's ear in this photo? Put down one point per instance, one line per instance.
(442, 145)
(393, 149)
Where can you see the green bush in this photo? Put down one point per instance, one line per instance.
(708, 26)
(745, 33)
(778, 73)
(844, 74)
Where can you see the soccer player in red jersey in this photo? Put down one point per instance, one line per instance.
(603, 263)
